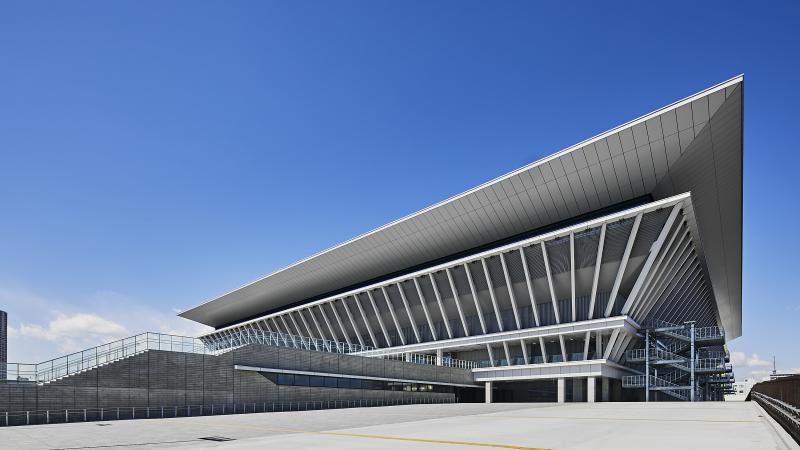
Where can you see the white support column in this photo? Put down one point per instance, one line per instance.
(524, 351)
(275, 325)
(655, 249)
(611, 341)
(587, 339)
(475, 298)
(441, 306)
(294, 322)
(316, 324)
(572, 275)
(408, 311)
(605, 389)
(563, 347)
(490, 287)
(439, 357)
(658, 269)
(352, 322)
(510, 288)
(544, 349)
(488, 389)
(597, 264)
(285, 325)
(508, 354)
(328, 323)
(598, 344)
(380, 319)
(491, 355)
(366, 322)
(458, 302)
(623, 264)
(562, 390)
(394, 316)
(531, 294)
(550, 283)
(591, 389)
(424, 302)
(339, 321)
(577, 390)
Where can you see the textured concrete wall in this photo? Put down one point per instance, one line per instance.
(157, 378)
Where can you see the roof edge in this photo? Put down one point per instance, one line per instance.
(737, 79)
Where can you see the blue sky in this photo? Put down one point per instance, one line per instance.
(156, 154)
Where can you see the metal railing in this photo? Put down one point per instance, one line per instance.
(50, 416)
(82, 361)
(786, 414)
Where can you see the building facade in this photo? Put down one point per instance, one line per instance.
(612, 264)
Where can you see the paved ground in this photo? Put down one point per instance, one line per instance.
(732, 425)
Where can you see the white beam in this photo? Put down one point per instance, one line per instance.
(408, 311)
(366, 322)
(328, 323)
(394, 316)
(550, 283)
(441, 306)
(508, 354)
(491, 356)
(510, 288)
(587, 339)
(611, 341)
(316, 323)
(490, 288)
(339, 322)
(457, 301)
(380, 319)
(623, 264)
(563, 347)
(524, 351)
(655, 249)
(423, 301)
(597, 264)
(475, 298)
(543, 348)
(572, 275)
(528, 282)
(353, 322)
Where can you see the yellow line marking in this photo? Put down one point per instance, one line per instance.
(410, 439)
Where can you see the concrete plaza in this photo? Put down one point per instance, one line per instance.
(731, 425)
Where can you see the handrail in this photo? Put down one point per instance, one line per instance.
(82, 361)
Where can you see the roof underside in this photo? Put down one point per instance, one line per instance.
(694, 145)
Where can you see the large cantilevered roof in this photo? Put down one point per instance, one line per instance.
(693, 145)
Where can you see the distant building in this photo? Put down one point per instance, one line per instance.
(741, 389)
(3, 344)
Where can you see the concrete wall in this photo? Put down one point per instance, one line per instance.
(156, 378)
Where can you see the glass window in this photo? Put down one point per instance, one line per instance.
(301, 380)
(285, 378)
(316, 381)
(331, 382)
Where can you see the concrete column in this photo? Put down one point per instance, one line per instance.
(590, 390)
(562, 390)
(606, 392)
(577, 389)
(488, 392)
(439, 358)
(408, 357)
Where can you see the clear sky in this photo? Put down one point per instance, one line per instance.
(156, 154)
